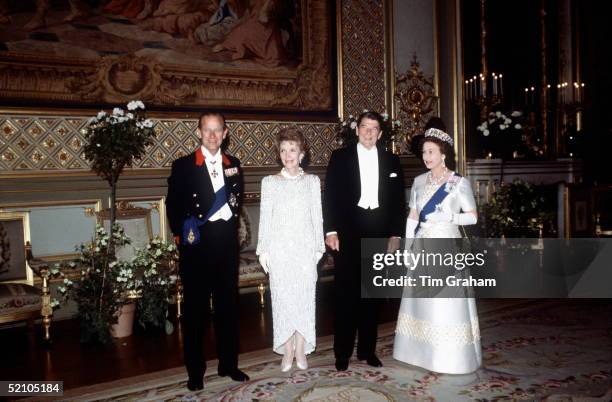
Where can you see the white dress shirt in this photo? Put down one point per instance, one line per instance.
(368, 175)
(215, 163)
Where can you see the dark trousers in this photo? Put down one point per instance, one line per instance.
(211, 267)
(355, 316)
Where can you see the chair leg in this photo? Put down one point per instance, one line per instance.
(46, 311)
(262, 291)
(179, 299)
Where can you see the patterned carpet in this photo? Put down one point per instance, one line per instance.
(545, 350)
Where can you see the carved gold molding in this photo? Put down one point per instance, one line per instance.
(415, 100)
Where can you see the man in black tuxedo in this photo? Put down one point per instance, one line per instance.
(203, 204)
(364, 198)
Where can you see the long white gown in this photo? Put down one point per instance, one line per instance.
(291, 233)
(439, 334)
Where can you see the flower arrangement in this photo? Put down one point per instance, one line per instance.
(154, 265)
(517, 209)
(104, 287)
(114, 141)
(503, 134)
(346, 130)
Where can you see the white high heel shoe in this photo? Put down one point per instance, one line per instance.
(301, 363)
(289, 355)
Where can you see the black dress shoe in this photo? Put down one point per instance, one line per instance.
(371, 360)
(342, 364)
(234, 374)
(195, 385)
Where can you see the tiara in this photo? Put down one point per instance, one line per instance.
(439, 134)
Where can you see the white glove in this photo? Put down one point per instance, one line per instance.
(263, 261)
(411, 225)
(440, 216)
(465, 218)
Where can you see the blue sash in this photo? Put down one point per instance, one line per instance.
(191, 231)
(430, 207)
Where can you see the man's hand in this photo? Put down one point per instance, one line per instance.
(393, 245)
(332, 242)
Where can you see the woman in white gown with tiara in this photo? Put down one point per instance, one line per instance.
(439, 334)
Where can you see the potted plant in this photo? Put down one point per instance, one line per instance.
(155, 266)
(104, 287)
(113, 142)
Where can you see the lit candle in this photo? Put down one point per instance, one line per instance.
(582, 92)
(533, 95)
(494, 85)
(526, 94)
(501, 85)
(466, 94)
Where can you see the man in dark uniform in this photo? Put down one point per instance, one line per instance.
(203, 204)
(364, 198)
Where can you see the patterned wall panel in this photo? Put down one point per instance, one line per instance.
(363, 55)
(40, 143)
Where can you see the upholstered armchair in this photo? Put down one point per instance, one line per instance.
(21, 300)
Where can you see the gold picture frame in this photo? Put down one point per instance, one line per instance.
(14, 234)
(105, 58)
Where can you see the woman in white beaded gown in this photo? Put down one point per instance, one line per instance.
(289, 247)
(439, 334)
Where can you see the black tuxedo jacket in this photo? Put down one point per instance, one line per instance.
(190, 190)
(343, 191)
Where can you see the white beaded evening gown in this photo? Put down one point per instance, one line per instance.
(291, 233)
(439, 334)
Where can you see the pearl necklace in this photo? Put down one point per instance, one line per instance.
(437, 181)
(287, 175)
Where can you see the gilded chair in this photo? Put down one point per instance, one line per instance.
(20, 299)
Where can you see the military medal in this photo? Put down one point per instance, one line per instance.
(232, 200)
(191, 236)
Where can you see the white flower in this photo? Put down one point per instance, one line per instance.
(516, 113)
(365, 110)
(117, 112)
(480, 128)
(101, 114)
(353, 125)
(130, 116)
(491, 121)
(343, 123)
(398, 123)
(502, 126)
(133, 105)
(385, 116)
(517, 126)
(350, 116)
(507, 122)
(498, 113)
(148, 123)
(485, 133)
(92, 120)
(98, 145)
(485, 124)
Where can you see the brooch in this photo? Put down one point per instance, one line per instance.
(191, 236)
(232, 200)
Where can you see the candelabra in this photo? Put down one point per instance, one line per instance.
(484, 90)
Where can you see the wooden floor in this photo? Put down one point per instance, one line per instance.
(24, 358)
